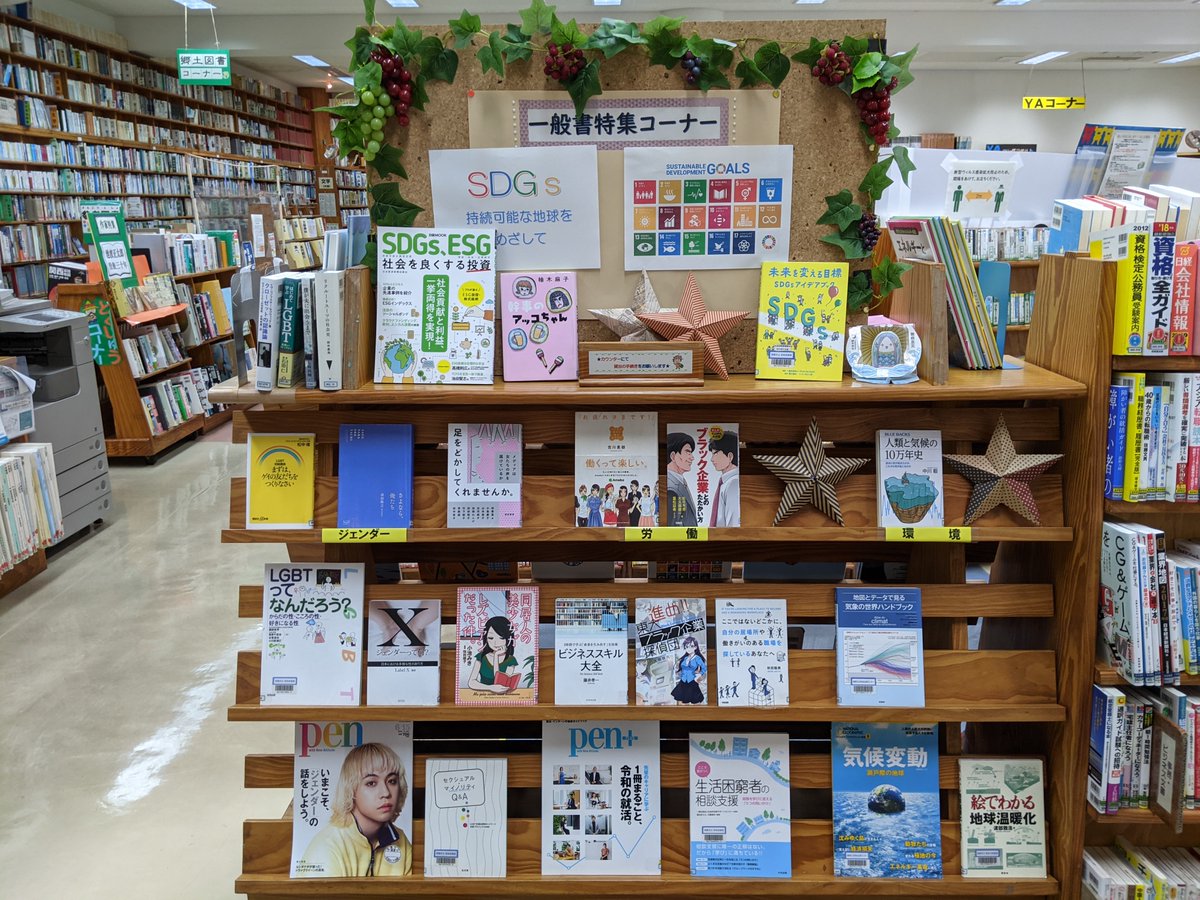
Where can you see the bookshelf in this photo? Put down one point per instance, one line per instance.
(1022, 697)
(341, 183)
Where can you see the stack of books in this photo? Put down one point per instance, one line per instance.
(300, 331)
(30, 515)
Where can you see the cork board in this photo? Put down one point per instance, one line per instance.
(819, 122)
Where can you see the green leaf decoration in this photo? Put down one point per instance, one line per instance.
(537, 18)
(491, 55)
(370, 258)
(660, 24)
(567, 33)
(860, 293)
(854, 47)
(516, 45)
(868, 65)
(387, 162)
(360, 48)
(390, 209)
(612, 36)
(893, 131)
(750, 73)
(773, 63)
(584, 85)
(903, 162)
(711, 52)
(348, 136)
(369, 12)
(876, 181)
(810, 56)
(886, 276)
(903, 61)
(407, 42)
(442, 66)
(848, 241)
(712, 77)
(665, 47)
(420, 96)
(464, 28)
(841, 211)
(369, 76)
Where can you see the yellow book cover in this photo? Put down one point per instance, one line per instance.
(280, 478)
(1130, 247)
(213, 288)
(1136, 382)
(801, 321)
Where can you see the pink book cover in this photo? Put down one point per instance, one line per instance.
(496, 652)
(538, 315)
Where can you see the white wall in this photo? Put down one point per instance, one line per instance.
(81, 14)
(987, 104)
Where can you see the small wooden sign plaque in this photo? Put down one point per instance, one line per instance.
(637, 363)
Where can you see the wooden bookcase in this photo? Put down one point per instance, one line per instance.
(1027, 696)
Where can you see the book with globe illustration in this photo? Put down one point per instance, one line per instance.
(908, 467)
(886, 810)
(435, 306)
(1012, 845)
(740, 792)
(880, 647)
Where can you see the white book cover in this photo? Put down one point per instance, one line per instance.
(269, 304)
(352, 802)
(435, 306)
(879, 646)
(740, 792)
(703, 482)
(404, 652)
(312, 629)
(329, 330)
(483, 487)
(908, 467)
(752, 652)
(616, 469)
(591, 651)
(466, 818)
(671, 666)
(1016, 846)
(601, 810)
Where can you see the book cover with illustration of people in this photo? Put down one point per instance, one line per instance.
(496, 656)
(538, 314)
(703, 484)
(671, 666)
(352, 800)
(312, 635)
(616, 469)
(601, 811)
(752, 652)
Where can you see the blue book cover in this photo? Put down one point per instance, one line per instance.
(880, 647)
(1114, 446)
(1065, 228)
(995, 280)
(886, 809)
(375, 476)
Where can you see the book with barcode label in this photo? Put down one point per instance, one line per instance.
(740, 793)
(880, 647)
(466, 818)
(886, 805)
(1003, 817)
(312, 635)
(403, 652)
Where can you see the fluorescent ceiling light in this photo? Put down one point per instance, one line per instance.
(606, 2)
(347, 79)
(1044, 57)
(1184, 58)
(1011, 2)
(196, 4)
(809, 2)
(403, 4)
(315, 62)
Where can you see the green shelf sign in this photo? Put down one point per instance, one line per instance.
(204, 66)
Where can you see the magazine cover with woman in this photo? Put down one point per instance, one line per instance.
(352, 802)
(496, 658)
(672, 664)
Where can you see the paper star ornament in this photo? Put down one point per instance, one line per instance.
(811, 477)
(694, 322)
(625, 322)
(1002, 477)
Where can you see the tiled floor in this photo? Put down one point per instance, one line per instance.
(119, 774)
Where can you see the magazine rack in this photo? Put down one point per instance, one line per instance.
(1024, 683)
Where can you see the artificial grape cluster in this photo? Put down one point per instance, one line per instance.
(563, 63)
(397, 82)
(691, 67)
(833, 67)
(875, 110)
(868, 231)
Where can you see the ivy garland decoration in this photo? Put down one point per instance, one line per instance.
(393, 66)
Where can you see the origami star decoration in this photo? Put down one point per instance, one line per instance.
(1002, 477)
(625, 322)
(811, 477)
(693, 322)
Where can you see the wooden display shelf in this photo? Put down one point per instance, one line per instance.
(167, 370)
(22, 572)
(1149, 507)
(211, 273)
(208, 342)
(155, 443)
(1155, 363)
(216, 420)
(1142, 817)
(154, 315)
(1107, 676)
(44, 259)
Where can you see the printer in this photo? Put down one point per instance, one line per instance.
(66, 404)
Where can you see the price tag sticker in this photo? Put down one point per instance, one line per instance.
(364, 535)
(666, 533)
(954, 534)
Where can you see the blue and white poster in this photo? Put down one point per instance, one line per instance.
(886, 810)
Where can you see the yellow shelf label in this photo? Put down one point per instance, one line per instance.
(1054, 103)
(364, 535)
(954, 534)
(666, 533)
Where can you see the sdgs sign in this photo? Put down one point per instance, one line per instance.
(542, 203)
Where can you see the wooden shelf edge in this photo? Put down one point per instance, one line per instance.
(1148, 507)
(1106, 676)
(1156, 363)
(152, 444)
(153, 315)
(1140, 817)
(167, 370)
(216, 420)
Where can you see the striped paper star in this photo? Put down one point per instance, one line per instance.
(811, 477)
(1002, 477)
(694, 322)
(624, 322)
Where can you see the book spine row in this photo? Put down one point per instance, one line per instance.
(1152, 447)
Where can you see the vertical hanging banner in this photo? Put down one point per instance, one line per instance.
(102, 331)
(707, 207)
(112, 246)
(203, 66)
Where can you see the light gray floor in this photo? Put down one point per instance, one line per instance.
(119, 774)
